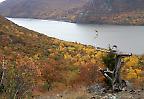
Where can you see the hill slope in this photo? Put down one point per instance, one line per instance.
(55, 63)
(113, 12)
(45, 9)
(42, 63)
(87, 11)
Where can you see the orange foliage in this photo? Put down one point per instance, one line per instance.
(90, 74)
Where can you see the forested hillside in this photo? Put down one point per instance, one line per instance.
(43, 63)
(113, 12)
(44, 9)
(32, 63)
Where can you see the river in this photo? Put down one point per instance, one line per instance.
(127, 38)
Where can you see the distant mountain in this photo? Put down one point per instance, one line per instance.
(44, 9)
(86, 11)
(113, 12)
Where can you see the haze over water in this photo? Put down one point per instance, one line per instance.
(127, 38)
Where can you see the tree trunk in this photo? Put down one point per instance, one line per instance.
(117, 81)
(113, 77)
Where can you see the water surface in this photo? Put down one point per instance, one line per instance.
(127, 38)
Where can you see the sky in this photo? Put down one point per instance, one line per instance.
(2, 0)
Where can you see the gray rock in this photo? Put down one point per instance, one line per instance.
(96, 89)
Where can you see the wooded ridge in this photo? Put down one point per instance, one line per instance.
(80, 11)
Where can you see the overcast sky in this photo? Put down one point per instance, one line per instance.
(2, 0)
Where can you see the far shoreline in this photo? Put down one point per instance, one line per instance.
(70, 21)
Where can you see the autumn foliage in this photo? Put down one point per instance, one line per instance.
(45, 63)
